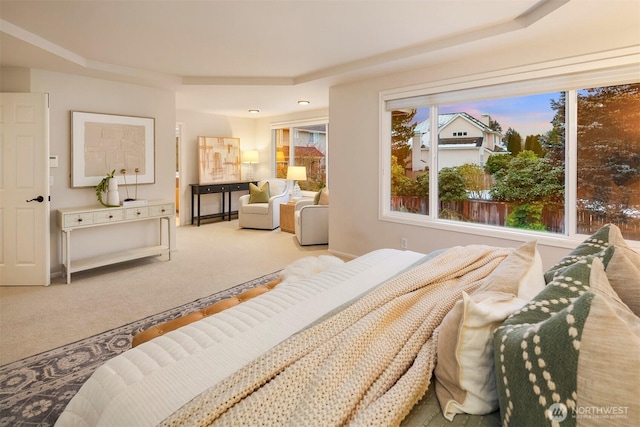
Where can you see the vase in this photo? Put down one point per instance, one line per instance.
(113, 198)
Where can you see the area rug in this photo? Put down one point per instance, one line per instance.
(35, 390)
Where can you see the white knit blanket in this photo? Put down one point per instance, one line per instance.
(367, 365)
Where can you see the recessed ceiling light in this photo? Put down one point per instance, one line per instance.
(303, 102)
(254, 111)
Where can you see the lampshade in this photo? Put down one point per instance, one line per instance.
(250, 156)
(297, 173)
(280, 156)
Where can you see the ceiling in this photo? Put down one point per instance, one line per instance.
(226, 57)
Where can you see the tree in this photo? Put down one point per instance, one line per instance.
(422, 181)
(497, 162)
(474, 180)
(401, 185)
(532, 143)
(494, 125)
(553, 142)
(514, 142)
(529, 183)
(402, 130)
(609, 149)
(451, 185)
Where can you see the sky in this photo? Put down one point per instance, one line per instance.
(527, 115)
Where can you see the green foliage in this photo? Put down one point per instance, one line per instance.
(401, 132)
(474, 179)
(529, 179)
(494, 125)
(553, 141)
(422, 187)
(451, 186)
(401, 185)
(532, 143)
(497, 162)
(527, 216)
(514, 142)
(609, 148)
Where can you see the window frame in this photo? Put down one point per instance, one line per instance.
(558, 77)
(294, 124)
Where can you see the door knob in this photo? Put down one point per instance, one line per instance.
(38, 199)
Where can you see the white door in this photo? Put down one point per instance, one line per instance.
(24, 189)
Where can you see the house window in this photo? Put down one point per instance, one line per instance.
(302, 145)
(526, 161)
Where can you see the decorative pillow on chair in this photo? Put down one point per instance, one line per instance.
(259, 195)
(322, 197)
(465, 378)
(570, 355)
(622, 264)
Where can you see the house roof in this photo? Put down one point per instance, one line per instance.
(302, 151)
(444, 120)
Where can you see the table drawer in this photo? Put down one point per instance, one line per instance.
(76, 220)
(108, 216)
(161, 210)
(204, 189)
(138, 212)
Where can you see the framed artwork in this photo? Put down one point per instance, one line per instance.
(218, 159)
(101, 143)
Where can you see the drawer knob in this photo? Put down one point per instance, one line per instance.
(79, 219)
(138, 213)
(110, 216)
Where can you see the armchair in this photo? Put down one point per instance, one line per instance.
(311, 223)
(264, 216)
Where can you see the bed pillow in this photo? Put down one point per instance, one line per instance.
(259, 194)
(465, 381)
(622, 264)
(556, 359)
(520, 274)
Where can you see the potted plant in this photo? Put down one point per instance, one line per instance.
(109, 186)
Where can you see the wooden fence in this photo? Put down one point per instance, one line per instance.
(495, 213)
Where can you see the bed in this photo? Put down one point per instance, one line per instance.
(392, 337)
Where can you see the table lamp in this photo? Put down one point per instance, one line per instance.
(296, 173)
(251, 157)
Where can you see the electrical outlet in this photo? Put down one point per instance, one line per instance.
(403, 243)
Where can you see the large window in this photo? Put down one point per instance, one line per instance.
(304, 145)
(564, 162)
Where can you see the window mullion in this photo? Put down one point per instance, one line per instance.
(571, 162)
(434, 206)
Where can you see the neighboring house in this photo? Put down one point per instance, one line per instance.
(461, 139)
(308, 156)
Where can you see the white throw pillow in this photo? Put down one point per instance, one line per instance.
(465, 379)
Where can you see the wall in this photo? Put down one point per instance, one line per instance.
(73, 93)
(354, 163)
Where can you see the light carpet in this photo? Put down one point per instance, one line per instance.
(35, 390)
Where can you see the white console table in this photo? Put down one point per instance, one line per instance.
(79, 218)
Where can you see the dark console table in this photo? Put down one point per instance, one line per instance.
(220, 187)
